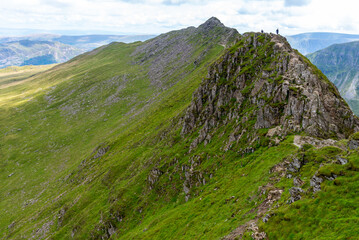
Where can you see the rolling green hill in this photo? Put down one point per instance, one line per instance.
(196, 134)
(340, 62)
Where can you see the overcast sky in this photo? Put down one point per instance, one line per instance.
(158, 16)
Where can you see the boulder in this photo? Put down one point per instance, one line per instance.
(353, 144)
(315, 183)
(341, 160)
(295, 194)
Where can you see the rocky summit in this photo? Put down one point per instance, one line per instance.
(200, 133)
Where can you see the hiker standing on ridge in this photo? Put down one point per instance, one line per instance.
(277, 31)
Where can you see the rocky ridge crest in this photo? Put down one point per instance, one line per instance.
(262, 83)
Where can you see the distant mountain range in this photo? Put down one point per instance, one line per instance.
(84, 42)
(310, 42)
(44, 49)
(340, 63)
(27, 52)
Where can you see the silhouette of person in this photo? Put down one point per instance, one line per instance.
(277, 31)
(261, 31)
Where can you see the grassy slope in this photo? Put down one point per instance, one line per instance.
(65, 112)
(332, 213)
(11, 76)
(58, 188)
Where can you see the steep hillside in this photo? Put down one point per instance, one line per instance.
(26, 52)
(311, 42)
(77, 106)
(340, 62)
(196, 134)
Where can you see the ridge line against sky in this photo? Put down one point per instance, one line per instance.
(158, 16)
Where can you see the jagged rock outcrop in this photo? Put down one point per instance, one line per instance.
(315, 182)
(353, 144)
(341, 160)
(295, 194)
(261, 82)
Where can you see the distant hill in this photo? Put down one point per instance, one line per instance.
(42, 49)
(340, 63)
(84, 42)
(310, 42)
(28, 52)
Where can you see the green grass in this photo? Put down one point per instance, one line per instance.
(331, 213)
(53, 124)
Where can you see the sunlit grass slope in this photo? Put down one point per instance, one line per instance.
(52, 121)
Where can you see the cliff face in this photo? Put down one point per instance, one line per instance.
(262, 83)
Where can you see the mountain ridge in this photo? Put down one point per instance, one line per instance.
(296, 83)
(313, 41)
(178, 138)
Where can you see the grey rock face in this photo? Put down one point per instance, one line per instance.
(353, 144)
(266, 218)
(153, 177)
(331, 178)
(295, 194)
(111, 230)
(211, 23)
(295, 165)
(341, 160)
(315, 183)
(100, 151)
(282, 89)
(297, 182)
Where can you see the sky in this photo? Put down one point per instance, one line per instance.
(159, 16)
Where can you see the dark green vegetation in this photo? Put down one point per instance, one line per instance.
(314, 41)
(26, 52)
(340, 62)
(109, 144)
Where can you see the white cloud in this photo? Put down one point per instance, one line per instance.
(156, 16)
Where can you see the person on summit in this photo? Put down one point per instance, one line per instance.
(277, 31)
